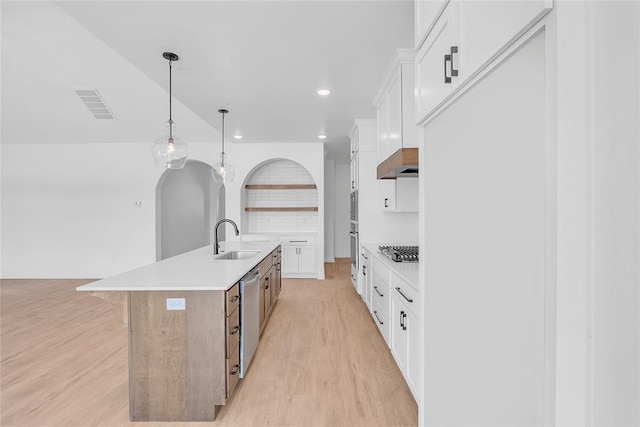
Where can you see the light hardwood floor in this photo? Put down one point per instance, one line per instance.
(321, 361)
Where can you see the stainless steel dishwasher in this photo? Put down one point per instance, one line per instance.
(249, 321)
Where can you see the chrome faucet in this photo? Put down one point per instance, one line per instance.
(216, 244)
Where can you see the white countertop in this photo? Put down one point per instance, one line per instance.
(406, 270)
(197, 270)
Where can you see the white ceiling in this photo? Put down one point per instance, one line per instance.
(262, 60)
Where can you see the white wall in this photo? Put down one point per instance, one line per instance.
(342, 186)
(245, 157)
(329, 217)
(68, 210)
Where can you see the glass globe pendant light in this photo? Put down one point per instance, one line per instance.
(169, 151)
(222, 171)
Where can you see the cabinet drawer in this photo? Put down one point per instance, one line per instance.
(233, 332)
(380, 268)
(233, 371)
(381, 320)
(380, 293)
(265, 265)
(405, 293)
(233, 298)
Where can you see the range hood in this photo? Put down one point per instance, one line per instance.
(402, 163)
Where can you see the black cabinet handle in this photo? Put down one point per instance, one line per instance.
(236, 369)
(403, 295)
(364, 256)
(235, 330)
(447, 58)
(234, 298)
(375, 313)
(353, 184)
(386, 202)
(454, 71)
(364, 270)
(403, 317)
(376, 288)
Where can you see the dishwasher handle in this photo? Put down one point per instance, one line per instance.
(251, 278)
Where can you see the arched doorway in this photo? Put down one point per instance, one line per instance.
(188, 203)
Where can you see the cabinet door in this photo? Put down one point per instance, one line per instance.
(289, 259)
(354, 173)
(490, 26)
(261, 311)
(413, 354)
(267, 294)
(383, 129)
(394, 138)
(387, 194)
(273, 285)
(307, 259)
(399, 332)
(426, 12)
(354, 143)
(409, 128)
(431, 84)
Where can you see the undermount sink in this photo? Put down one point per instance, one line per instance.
(237, 255)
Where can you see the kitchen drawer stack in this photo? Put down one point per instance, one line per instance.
(394, 305)
(232, 304)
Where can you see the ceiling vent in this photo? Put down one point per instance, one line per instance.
(94, 102)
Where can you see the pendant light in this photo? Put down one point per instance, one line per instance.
(222, 171)
(169, 151)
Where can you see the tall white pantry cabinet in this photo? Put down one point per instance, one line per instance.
(528, 265)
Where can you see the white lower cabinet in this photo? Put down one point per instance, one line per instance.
(366, 277)
(405, 332)
(380, 305)
(299, 257)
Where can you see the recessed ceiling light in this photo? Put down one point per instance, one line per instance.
(323, 92)
(322, 136)
(237, 136)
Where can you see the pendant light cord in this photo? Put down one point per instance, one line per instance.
(222, 153)
(170, 118)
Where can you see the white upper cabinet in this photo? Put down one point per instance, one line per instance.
(434, 74)
(490, 26)
(463, 41)
(395, 106)
(426, 12)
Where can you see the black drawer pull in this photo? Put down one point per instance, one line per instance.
(234, 330)
(375, 313)
(234, 298)
(236, 369)
(403, 295)
(376, 288)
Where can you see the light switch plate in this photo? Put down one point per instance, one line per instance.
(176, 304)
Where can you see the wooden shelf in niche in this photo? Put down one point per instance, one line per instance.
(283, 209)
(280, 186)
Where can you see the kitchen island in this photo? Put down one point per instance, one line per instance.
(183, 318)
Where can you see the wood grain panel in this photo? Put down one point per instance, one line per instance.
(177, 358)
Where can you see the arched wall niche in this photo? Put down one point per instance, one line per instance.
(188, 203)
(279, 196)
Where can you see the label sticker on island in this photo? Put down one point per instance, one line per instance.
(176, 304)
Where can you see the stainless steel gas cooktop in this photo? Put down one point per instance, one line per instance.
(400, 253)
